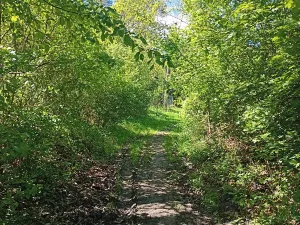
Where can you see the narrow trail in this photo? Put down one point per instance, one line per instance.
(155, 197)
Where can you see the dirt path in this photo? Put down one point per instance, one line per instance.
(156, 199)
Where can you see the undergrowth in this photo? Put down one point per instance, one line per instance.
(236, 185)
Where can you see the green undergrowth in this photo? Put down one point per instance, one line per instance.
(41, 154)
(48, 153)
(230, 184)
(145, 126)
(134, 133)
(171, 144)
(234, 184)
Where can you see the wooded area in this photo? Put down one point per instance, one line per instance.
(80, 81)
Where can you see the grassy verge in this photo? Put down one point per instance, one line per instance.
(145, 126)
(232, 185)
(134, 133)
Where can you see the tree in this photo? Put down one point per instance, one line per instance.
(236, 67)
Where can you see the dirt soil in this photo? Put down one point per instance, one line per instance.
(151, 196)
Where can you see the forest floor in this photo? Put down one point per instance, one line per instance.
(144, 184)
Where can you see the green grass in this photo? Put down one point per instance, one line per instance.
(135, 132)
(146, 126)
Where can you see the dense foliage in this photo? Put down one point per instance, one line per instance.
(71, 70)
(68, 72)
(238, 72)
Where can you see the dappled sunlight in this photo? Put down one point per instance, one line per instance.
(158, 199)
(156, 210)
(149, 112)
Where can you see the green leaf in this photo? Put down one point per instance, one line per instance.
(47, 47)
(137, 56)
(150, 54)
(39, 35)
(121, 32)
(143, 40)
(289, 4)
(170, 63)
(128, 41)
(294, 163)
(157, 54)
(142, 57)
(104, 36)
(159, 62)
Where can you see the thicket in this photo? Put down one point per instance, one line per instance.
(68, 72)
(71, 70)
(237, 70)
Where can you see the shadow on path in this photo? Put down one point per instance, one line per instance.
(158, 200)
